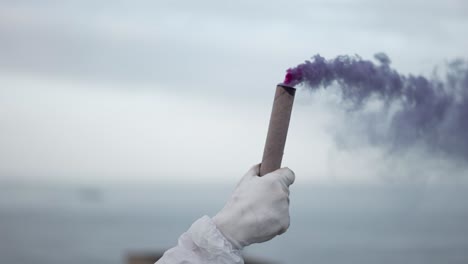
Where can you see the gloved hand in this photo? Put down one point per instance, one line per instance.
(258, 209)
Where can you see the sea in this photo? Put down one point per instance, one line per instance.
(50, 223)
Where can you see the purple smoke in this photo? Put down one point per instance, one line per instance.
(433, 111)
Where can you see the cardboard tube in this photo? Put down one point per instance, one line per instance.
(278, 129)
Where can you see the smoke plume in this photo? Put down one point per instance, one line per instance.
(432, 111)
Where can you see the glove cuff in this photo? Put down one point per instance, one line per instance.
(206, 236)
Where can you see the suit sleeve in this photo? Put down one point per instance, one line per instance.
(203, 243)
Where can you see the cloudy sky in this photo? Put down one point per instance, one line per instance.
(181, 90)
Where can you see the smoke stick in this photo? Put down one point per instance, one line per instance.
(277, 129)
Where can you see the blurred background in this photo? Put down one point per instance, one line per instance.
(122, 122)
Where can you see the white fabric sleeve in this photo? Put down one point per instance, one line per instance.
(202, 243)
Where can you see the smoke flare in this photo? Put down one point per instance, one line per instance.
(433, 111)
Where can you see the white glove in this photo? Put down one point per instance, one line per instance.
(258, 209)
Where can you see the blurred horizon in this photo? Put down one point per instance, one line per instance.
(330, 224)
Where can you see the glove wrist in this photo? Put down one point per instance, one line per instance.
(223, 224)
(203, 243)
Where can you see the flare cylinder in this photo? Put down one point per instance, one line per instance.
(277, 129)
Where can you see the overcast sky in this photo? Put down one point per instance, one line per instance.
(182, 90)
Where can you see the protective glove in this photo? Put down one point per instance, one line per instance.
(258, 209)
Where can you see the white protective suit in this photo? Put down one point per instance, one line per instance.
(257, 211)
